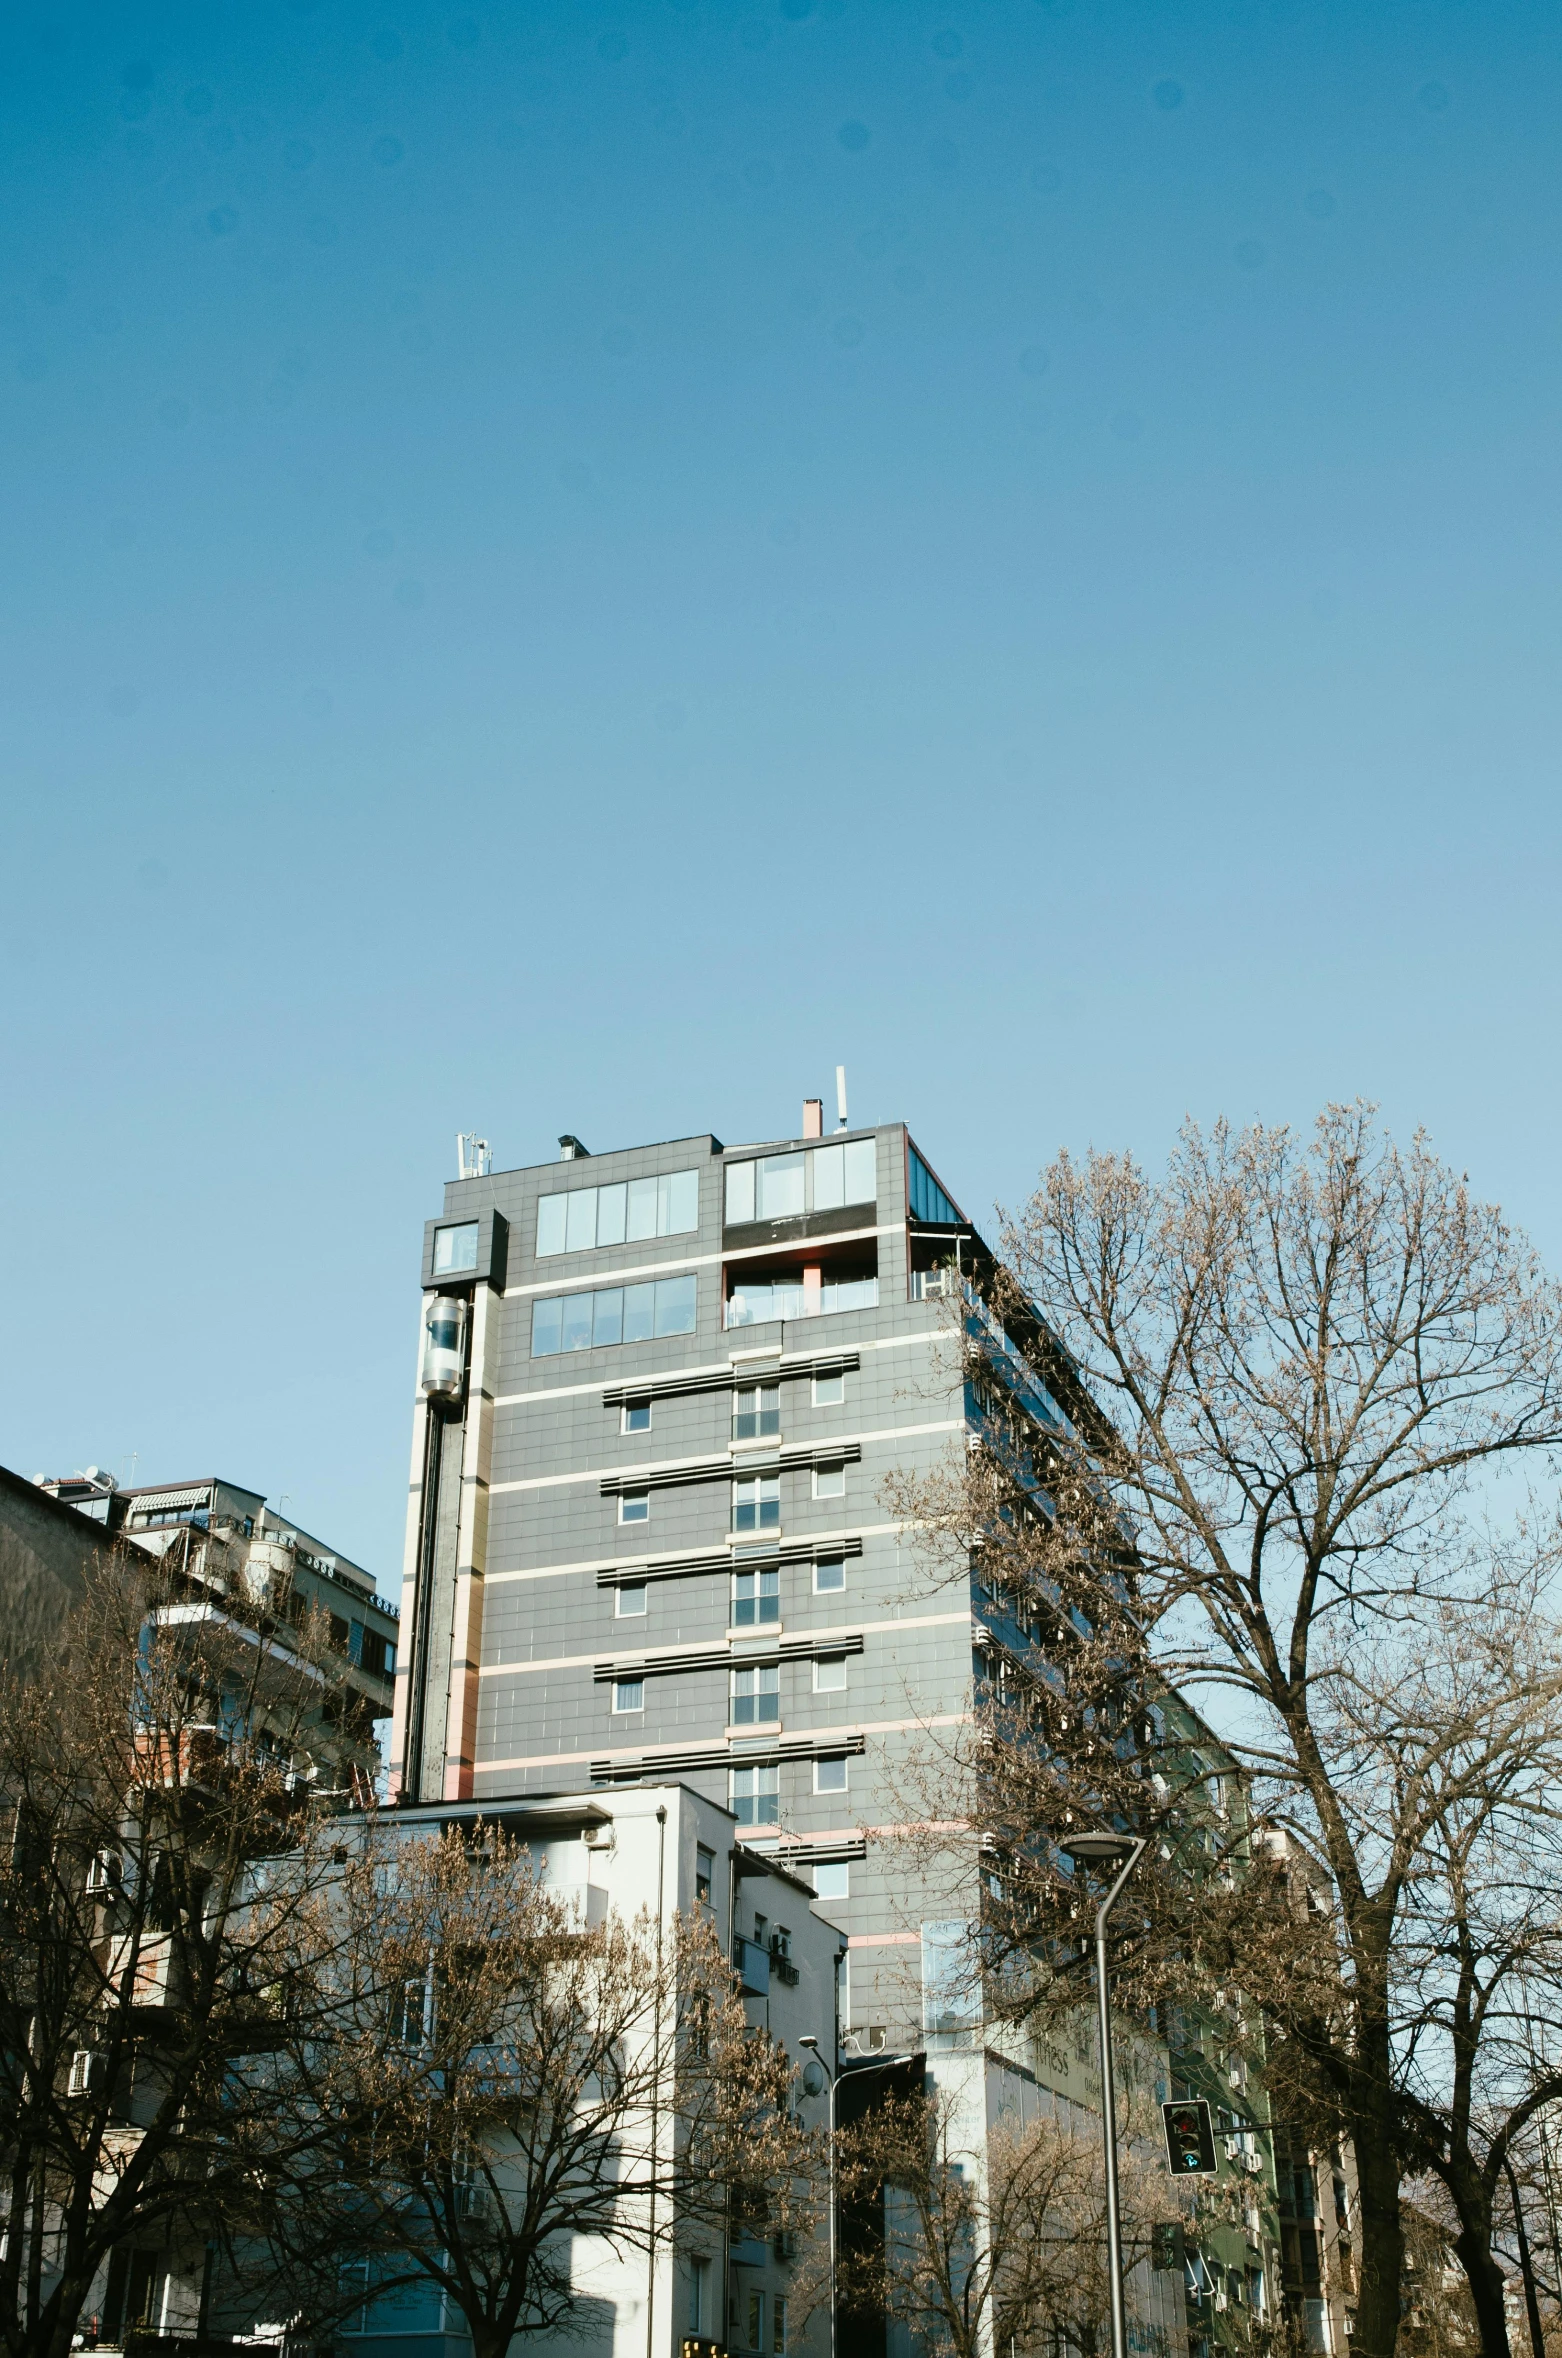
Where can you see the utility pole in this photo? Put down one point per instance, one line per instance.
(1124, 1852)
(811, 2043)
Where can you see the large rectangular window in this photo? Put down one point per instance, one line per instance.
(756, 1503)
(844, 1174)
(755, 1795)
(634, 1209)
(455, 1248)
(616, 1314)
(785, 1186)
(756, 1695)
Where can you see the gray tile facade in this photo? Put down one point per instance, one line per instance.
(532, 1624)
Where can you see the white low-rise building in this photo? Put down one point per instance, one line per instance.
(661, 1850)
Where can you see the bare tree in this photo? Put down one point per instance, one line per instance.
(1279, 1376)
(1439, 2319)
(165, 1848)
(501, 2081)
(998, 2250)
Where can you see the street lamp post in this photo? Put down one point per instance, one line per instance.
(1123, 1851)
(809, 2041)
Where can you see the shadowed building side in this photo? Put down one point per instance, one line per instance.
(47, 1553)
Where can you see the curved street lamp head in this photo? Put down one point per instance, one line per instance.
(807, 2039)
(1102, 1850)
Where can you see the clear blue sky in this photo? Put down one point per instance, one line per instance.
(571, 566)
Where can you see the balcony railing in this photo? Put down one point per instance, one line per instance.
(753, 1968)
(933, 1285)
(758, 1305)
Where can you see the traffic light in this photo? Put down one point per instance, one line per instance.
(1190, 2141)
(1168, 2247)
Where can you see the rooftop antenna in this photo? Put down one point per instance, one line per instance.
(840, 1095)
(473, 1159)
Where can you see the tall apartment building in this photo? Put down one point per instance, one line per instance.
(661, 1394)
(661, 1390)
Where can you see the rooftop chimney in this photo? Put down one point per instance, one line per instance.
(570, 1147)
(813, 1117)
(840, 1095)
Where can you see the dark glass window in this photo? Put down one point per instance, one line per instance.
(616, 1314)
(928, 1200)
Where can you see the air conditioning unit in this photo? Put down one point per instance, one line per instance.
(598, 1837)
(83, 2072)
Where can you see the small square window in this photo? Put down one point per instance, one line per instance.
(756, 1412)
(756, 1503)
(634, 1506)
(830, 1776)
(630, 1598)
(636, 1417)
(754, 1795)
(756, 1597)
(829, 1481)
(829, 1674)
(832, 1879)
(756, 1695)
(829, 1390)
(629, 1694)
(829, 1576)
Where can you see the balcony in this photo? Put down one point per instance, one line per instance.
(585, 1903)
(763, 1304)
(191, 1756)
(144, 1970)
(933, 1285)
(751, 1963)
